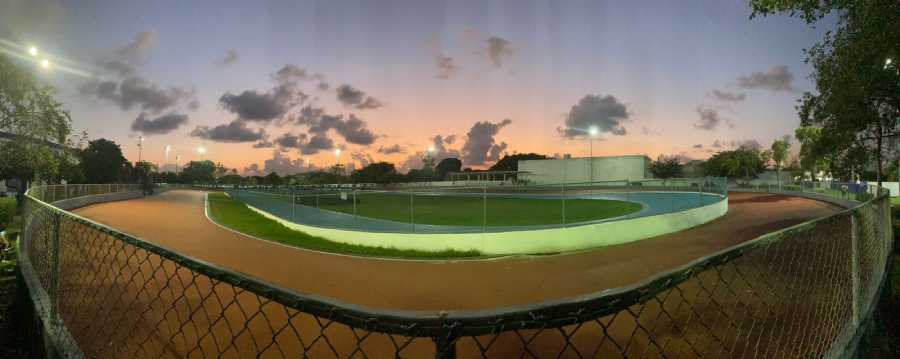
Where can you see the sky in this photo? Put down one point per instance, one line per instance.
(280, 85)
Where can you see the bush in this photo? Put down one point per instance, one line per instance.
(7, 211)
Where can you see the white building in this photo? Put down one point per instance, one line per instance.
(587, 169)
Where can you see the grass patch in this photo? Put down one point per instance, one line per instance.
(237, 216)
(470, 210)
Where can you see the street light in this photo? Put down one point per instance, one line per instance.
(888, 62)
(33, 51)
(592, 132)
(201, 151)
(140, 147)
(45, 64)
(168, 149)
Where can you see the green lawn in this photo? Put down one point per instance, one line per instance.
(470, 211)
(237, 216)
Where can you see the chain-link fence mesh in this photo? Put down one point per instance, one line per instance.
(800, 292)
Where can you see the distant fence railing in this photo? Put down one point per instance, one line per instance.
(806, 291)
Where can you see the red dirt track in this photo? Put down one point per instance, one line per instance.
(176, 220)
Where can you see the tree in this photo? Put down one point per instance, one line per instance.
(857, 100)
(446, 166)
(102, 162)
(666, 167)
(511, 162)
(779, 154)
(39, 124)
(740, 163)
(198, 172)
(379, 172)
(272, 179)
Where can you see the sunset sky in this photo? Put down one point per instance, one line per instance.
(268, 85)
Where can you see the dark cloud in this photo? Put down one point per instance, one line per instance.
(710, 119)
(699, 145)
(776, 78)
(389, 150)
(135, 91)
(231, 57)
(235, 131)
(480, 146)
(499, 50)
(606, 113)
(316, 143)
(136, 51)
(353, 129)
(158, 126)
(364, 159)
(728, 96)
(749, 145)
(252, 105)
(446, 66)
(496, 151)
(264, 144)
(356, 98)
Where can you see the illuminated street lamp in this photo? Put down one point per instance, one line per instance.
(168, 149)
(33, 51)
(888, 62)
(592, 132)
(201, 151)
(45, 64)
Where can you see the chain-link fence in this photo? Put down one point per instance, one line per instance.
(800, 292)
(489, 207)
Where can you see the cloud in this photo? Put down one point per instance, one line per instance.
(710, 119)
(253, 105)
(233, 132)
(264, 144)
(499, 50)
(304, 143)
(699, 145)
(389, 150)
(446, 66)
(728, 96)
(231, 57)
(480, 146)
(606, 113)
(160, 125)
(136, 51)
(749, 145)
(280, 164)
(135, 91)
(353, 129)
(363, 158)
(441, 151)
(121, 85)
(776, 78)
(356, 98)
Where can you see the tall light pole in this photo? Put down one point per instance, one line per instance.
(337, 153)
(168, 149)
(592, 132)
(140, 148)
(177, 158)
(201, 151)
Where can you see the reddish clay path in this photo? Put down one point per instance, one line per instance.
(176, 220)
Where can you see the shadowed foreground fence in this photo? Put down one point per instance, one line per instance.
(802, 292)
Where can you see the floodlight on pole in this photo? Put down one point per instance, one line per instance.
(45, 64)
(888, 63)
(592, 132)
(33, 51)
(140, 148)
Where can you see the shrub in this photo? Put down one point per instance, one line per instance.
(7, 211)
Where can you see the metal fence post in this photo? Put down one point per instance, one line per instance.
(54, 278)
(484, 207)
(854, 266)
(355, 221)
(412, 211)
(445, 346)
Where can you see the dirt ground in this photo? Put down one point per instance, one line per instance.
(176, 220)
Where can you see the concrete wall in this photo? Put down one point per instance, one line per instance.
(82, 201)
(523, 242)
(575, 170)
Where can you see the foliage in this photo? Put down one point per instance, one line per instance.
(196, 172)
(446, 166)
(740, 163)
(379, 172)
(7, 211)
(272, 179)
(102, 162)
(511, 162)
(667, 167)
(29, 111)
(857, 97)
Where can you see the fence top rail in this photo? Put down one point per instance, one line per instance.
(566, 311)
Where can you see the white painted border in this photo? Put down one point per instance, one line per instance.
(551, 240)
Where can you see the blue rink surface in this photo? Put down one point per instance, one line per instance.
(653, 203)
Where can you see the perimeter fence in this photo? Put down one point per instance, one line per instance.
(806, 291)
(488, 207)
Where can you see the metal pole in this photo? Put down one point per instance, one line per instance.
(355, 222)
(484, 208)
(412, 219)
(564, 194)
